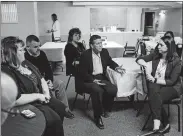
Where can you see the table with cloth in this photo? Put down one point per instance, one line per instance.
(55, 54)
(115, 50)
(129, 83)
(54, 51)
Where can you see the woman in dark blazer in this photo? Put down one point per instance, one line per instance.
(163, 68)
(73, 51)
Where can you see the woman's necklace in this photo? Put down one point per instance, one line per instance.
(24, 71)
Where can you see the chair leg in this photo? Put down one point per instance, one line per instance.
(178, 117)
(88, 102)
(73, 105)
(141, 107)
(67, 83)
(168, 110)
(143, 128)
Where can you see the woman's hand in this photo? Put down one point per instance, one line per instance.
(47, 97)
(150, 78)
(50, 84)
(41, 98)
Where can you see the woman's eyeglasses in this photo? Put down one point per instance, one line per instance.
(12, 112)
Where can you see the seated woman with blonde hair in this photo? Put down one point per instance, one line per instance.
(32, 87)
(164, 81)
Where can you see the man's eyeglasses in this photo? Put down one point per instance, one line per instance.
(12, 112)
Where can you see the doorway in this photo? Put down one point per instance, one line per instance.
(149, 24)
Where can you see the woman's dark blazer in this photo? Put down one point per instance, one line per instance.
(72, 54)
(173, 70)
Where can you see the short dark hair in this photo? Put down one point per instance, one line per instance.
(9, 51)
(54, 16)
(93, 38)
(169, 32)
(31, 38)
(72, 32)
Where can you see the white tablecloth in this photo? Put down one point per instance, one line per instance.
(115, 50)
(54, 51)
(129, 83)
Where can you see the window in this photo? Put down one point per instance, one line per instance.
(9, 13)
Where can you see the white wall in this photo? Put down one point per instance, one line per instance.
(108, 17)
(26, 22)
(68, 17)
(134, 18)
(172, 20)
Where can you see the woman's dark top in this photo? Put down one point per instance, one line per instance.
(26, 84)
(72, 54)
(173, 69)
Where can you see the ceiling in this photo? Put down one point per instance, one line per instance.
(142, 4)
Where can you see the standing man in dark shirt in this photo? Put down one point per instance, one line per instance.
(39, 59)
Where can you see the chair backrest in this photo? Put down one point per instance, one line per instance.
(137, 47)
(144, 80)
(142, 48)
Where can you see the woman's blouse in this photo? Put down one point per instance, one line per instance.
(161, 69)
(34, 80)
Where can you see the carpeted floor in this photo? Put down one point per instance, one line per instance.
(122, 122)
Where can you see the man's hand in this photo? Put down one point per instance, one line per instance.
(120, 70)
(98, 82)
(48, 31)
(75, 63)
(50, 84)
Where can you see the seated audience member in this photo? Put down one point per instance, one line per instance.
(172, 41)
(32, 87)
(39, 59)
(73, 51)
(163, 68)
(9, 92)
(92, 70)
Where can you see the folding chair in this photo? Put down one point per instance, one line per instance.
(130, 51)
(84, 98)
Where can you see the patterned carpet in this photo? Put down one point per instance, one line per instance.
(122, 122)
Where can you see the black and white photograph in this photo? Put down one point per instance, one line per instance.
(91, 68)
